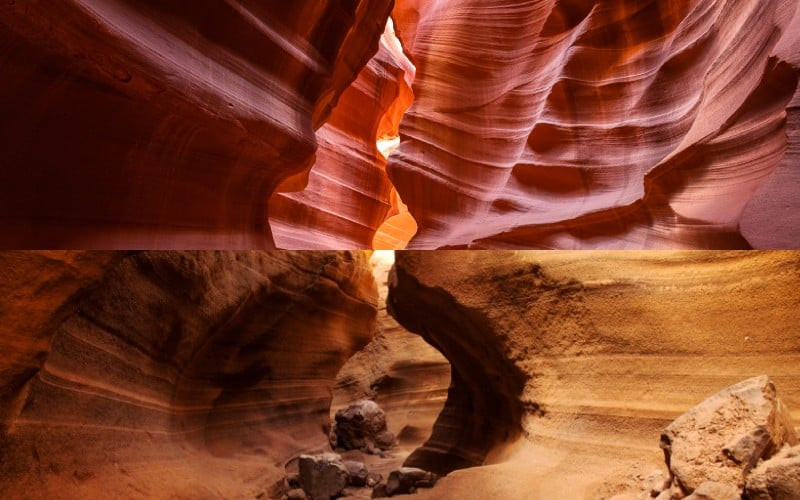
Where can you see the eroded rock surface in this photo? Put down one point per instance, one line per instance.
(157, 124)
(724, 437)
(323, 477)
(777, 478)
(348, 195)
(713, 490)
(586, 124)
(171, 374)
(567, 366)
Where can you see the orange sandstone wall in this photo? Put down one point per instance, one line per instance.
(171, 373)
(585, 357)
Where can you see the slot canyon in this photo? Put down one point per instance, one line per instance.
(506, 374)
(391, 124)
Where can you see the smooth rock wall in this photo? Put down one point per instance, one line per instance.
(173, 373)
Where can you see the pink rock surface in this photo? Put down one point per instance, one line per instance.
(578, 124)
(348, 195)
(166, 124)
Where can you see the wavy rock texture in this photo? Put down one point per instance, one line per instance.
(172, 374)
(587, 123)
(567, 366)
(772, 217)
(348, 194)
(163, 124)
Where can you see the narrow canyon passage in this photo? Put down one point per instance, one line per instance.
(563, 124)
(346, 199)
(521, 374)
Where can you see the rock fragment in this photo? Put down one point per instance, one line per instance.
(357, 473)
(322, 476)
(361, 426)
(712, 490)
(408, 479)
(777, 478)
(655, 482)
(723, 438)
(296, 494)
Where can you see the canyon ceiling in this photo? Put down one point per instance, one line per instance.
(521, 124)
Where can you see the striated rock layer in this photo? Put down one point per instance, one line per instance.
(772, 217)
(348, 194)
(171, 374)
(588, 123)
(166, 125)
(399, 370)
(567, 366)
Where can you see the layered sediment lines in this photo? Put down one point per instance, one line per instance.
(567, 366)
(152, 124)
(581, 124)
(772, 217)
(173, 374)
(348, 195)
(405, 375)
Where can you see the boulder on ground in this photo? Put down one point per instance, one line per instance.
(777, 478)
(408, 479)
(323, 476)
(724, 437)
(361, 426)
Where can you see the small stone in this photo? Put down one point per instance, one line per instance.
(373, 478)
(672, 492)
(664, 495)
(655, 482)
(408, 479)
(357, 472)
(380, 491)
(296, 494)
(711, 490)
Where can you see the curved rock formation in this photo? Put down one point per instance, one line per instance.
(405, 375)
(173, 374)
(585, 123)
(348, 193)
(568, 365)
(166, 125)
(772, 217)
